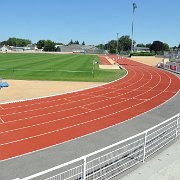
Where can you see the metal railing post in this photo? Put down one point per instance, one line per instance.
(177, 125)
(144, 148)
(84, 167)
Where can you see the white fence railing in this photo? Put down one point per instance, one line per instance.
(114, 159)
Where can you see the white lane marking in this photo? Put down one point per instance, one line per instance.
(66, 103)
(70, 108)
(68, 127)
(77, 100)
(70, 116)
(76, 94)
(75, 115)
(1, 120)
(100, 117)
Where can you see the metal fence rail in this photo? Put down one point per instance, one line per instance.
(173, 64)
(114, 159)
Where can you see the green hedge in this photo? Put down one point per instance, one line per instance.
(142, 54)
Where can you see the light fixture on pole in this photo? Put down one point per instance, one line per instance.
(117, 43)
(132, 44)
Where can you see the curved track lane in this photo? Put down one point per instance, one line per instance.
(35, 124)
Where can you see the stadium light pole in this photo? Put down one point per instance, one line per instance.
(117, 43)
(132, 43)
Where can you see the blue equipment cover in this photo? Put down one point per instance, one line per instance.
(4, 84)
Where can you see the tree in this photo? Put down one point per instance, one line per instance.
(157, 46)
(49, 46)
(148, 45)
(124, 43)
(71, 42)
(18, 42)
(141, 45)
(83, 43)
(112, 51)
(174, 48)
(77, 42)
(100, 46)
(111, 46)
(40, 44)
(165, 47)
(12, 42)
(3, 43)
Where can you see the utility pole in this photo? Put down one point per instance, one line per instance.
(132, 43)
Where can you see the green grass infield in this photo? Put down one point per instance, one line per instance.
(55, 67)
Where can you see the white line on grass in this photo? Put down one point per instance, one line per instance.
(44, 70)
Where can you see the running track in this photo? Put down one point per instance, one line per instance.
(35, 124)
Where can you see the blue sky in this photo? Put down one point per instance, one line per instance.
(92, 21)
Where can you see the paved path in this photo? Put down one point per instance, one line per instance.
(164, 166)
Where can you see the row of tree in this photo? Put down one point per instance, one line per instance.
(16, 42)
(46, 45)
(124, 44)
(75, 42)
(158, 46)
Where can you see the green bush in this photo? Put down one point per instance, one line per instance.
(142, 54)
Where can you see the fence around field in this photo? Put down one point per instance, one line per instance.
(171, 66)
(174, 62)
(115, 159)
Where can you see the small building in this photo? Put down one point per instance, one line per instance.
(28, 48)
(19, 49)
(141, 49)
(31, 47)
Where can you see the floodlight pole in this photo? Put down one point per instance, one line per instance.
(117, 43)
(132, 43)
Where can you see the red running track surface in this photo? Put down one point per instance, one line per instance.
(104, 60)
(36, 124)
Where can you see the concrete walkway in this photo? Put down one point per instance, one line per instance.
(164, 166)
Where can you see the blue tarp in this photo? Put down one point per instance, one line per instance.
(4, 84)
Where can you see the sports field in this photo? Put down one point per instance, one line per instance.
(32, 125)
(58, 67)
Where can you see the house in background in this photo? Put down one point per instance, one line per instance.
(28, 48)
(31, 47)
(5, 48)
